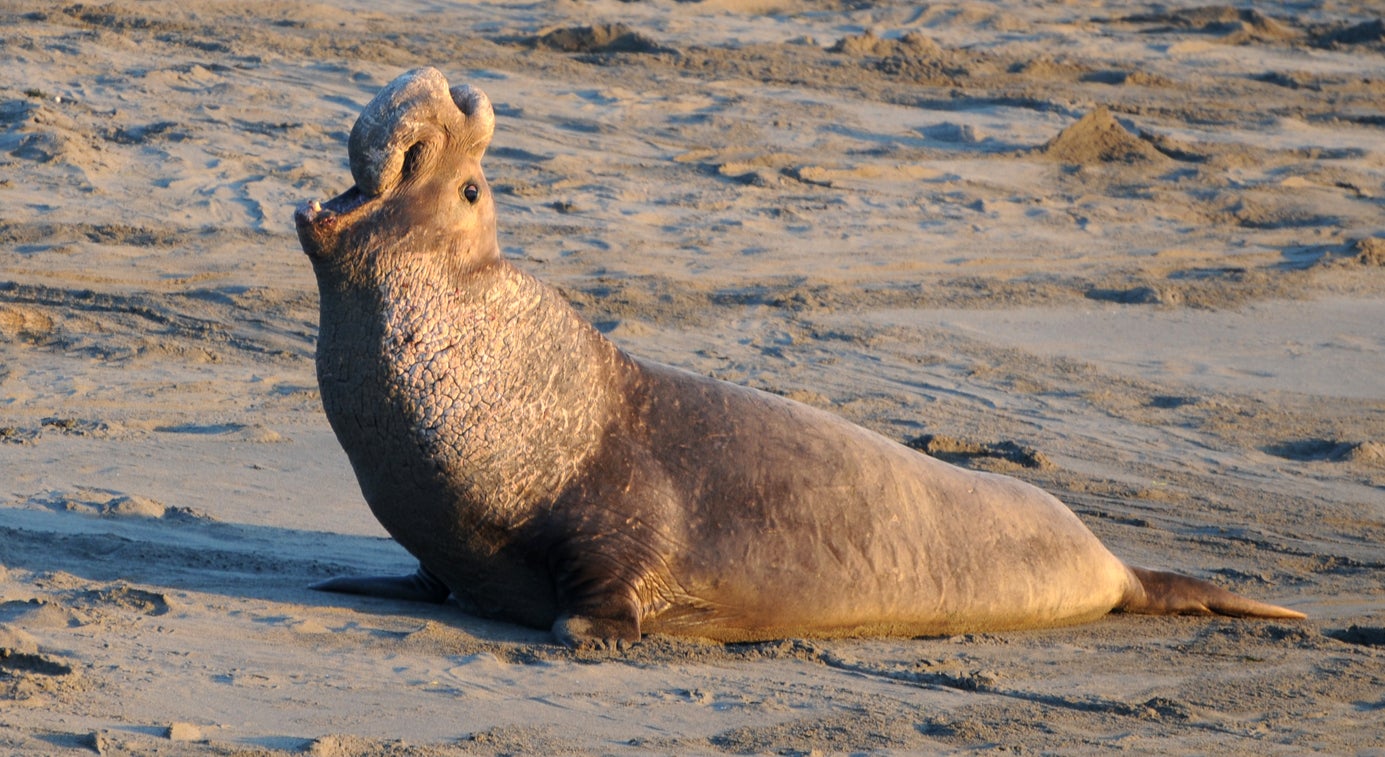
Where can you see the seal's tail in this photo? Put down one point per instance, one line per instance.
(1158, 592)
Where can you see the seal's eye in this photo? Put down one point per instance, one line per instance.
(471, 192)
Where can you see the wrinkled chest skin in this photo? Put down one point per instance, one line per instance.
(460, 423)
(541, 475)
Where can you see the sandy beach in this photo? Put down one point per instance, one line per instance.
(1133, 253)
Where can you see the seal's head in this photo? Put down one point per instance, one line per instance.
(416, 158)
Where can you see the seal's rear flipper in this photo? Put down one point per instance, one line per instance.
(1157, 592)
(420, 586)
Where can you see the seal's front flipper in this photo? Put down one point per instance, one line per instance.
(420, 586)
(598, 609)
(596, 634)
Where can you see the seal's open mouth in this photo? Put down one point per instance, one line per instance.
(318, 222)
(316, 213)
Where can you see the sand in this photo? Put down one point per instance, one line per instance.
(1133, 253)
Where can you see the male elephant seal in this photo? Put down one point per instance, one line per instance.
(542, 475)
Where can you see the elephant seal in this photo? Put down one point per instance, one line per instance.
(544, 476)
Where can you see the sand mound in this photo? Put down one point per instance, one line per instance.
(26, 676)
(1099, 138)
(1331, 450)
(1365, 33)
(1370, 251)
(978, 454)
(914, 57)
(598, 38)
(22, 323)
(1232, 25)
(35, 129)
(868, 43)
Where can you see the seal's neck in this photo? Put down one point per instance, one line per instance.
(504, 389)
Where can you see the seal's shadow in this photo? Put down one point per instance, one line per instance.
(180, 551)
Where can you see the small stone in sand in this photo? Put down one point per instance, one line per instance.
(96, 741)
(134, 506)
(16, 640)
(183, 732)
(1370, 251)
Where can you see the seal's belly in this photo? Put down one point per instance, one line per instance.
(800, 522)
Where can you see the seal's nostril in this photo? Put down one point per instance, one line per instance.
(413, 158)
(480, 115)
